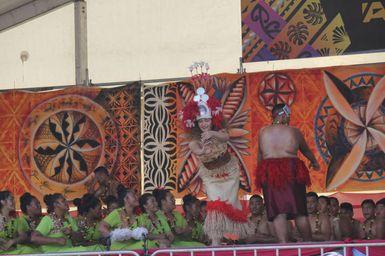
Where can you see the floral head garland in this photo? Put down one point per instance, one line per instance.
(202, 106)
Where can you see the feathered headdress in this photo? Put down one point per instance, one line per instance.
(202, 106)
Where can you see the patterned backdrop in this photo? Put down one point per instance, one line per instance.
(168, 161)
(329, 105)
(52, 141)
(287, 29)
(160, 137)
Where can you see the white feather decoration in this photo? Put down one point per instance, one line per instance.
(121, 234)
(139, 233)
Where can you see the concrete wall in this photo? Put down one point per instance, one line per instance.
(137, 39)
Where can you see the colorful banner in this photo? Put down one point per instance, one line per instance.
(52, 141)
(341, 112)
(329, 106)
(277, 29)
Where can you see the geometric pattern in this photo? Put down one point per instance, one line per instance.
(160, 137)
(51, 141)
(329, 123)
(318, 120)
(124, 105)
(276, 29)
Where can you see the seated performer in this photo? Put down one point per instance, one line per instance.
(368, 228)
(107, 185)
(57, 231)
(380, 219)
(334, 209)
(258, 220)
(11, 237)
(31, 210)
(218, 168)
(179, 227)
(319, 223)
(121, 221)
(159, 232)
(349, 227)
(282, 176)
(90, 214)
(31, 216)
(192, 211)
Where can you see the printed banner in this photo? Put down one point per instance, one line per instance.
(52, 141)
(340, 111)
(288, 29)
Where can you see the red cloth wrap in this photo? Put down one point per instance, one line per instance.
(227, 209)
(278, 172)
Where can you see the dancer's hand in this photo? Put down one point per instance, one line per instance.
(205, 136)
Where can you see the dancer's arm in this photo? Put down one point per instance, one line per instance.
(220, 135)
(305, 150)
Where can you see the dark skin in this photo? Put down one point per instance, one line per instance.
(127, 216)
(349, 227)
(151, 208)
(373, 226)
(321, 231)
(61, 210)
(279, 140)
(168, 206)
(107, 186)
(259, 220)
(7, 206)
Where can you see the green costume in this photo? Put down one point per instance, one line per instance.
(9, 230)
(91, 234)
(183, 240)
(159, 228)
(50, 227)
(114, 220)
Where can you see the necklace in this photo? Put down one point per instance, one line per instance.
(58, 223)
(368, 234)
(155, 224)
(87, 228)
(8, 226)
(125, 218)
(259, 219)
(317, 224)
(32, 223)
(171, 221)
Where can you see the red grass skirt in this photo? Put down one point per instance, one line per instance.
(283, 182)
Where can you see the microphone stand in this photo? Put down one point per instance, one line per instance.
(145, 245)
(108, 243)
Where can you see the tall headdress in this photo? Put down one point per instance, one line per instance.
(202, 105)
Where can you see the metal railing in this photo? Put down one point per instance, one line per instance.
(90, 253)
(279, 249)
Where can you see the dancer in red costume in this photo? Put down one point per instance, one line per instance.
(218, 169)
(282, 176)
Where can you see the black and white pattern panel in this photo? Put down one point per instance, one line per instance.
(160, 137)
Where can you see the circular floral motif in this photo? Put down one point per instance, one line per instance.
(62, 141)
(340, 129)
(67, 147)
(353, 131)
